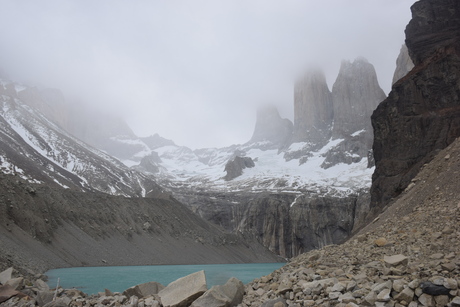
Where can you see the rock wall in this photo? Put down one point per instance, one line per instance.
(287, 224)
(422, 113)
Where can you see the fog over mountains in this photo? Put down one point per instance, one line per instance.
(178, 68)
(79, 188)
(325, 156)
(326, 147)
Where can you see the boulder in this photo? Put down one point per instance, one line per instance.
(6, 292)
(184, 291)
(41, 285)
(16, 283)
(230, 294)
(44, 297)
(143, 290)
(432, 289)
(396, 260)
(279, 302)
(405, 295)
(6, 275)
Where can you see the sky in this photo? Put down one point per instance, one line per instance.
(194, 71)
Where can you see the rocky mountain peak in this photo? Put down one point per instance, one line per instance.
(313, 112)
(271, 128)
(403, 64)
(355, 94)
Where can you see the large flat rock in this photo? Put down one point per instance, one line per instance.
(184, 291)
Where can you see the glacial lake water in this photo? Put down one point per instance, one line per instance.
(92, 280)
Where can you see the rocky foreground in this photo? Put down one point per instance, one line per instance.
(408, 256)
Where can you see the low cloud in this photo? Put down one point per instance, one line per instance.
(194, 71)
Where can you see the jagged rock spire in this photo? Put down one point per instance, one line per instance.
(270, 127)
(355, 94)
(313, 112)
(404, 64)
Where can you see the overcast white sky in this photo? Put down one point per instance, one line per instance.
(194, 71)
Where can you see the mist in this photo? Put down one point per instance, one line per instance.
(193, 71)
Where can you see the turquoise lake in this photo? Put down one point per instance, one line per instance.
(92, 280)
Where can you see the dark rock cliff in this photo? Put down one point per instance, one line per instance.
(422, 113)
(434, 26)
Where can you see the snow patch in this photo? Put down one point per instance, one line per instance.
(358, 132)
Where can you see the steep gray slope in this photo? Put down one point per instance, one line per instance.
(43, 228)
(42, 151)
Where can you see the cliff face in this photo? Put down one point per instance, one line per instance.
(422, 113)
(289, 227)
(288, 224)
(313, 113)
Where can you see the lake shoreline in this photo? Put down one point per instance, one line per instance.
(92, 280)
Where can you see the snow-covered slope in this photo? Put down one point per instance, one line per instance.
(180, 167)
(38, 150)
